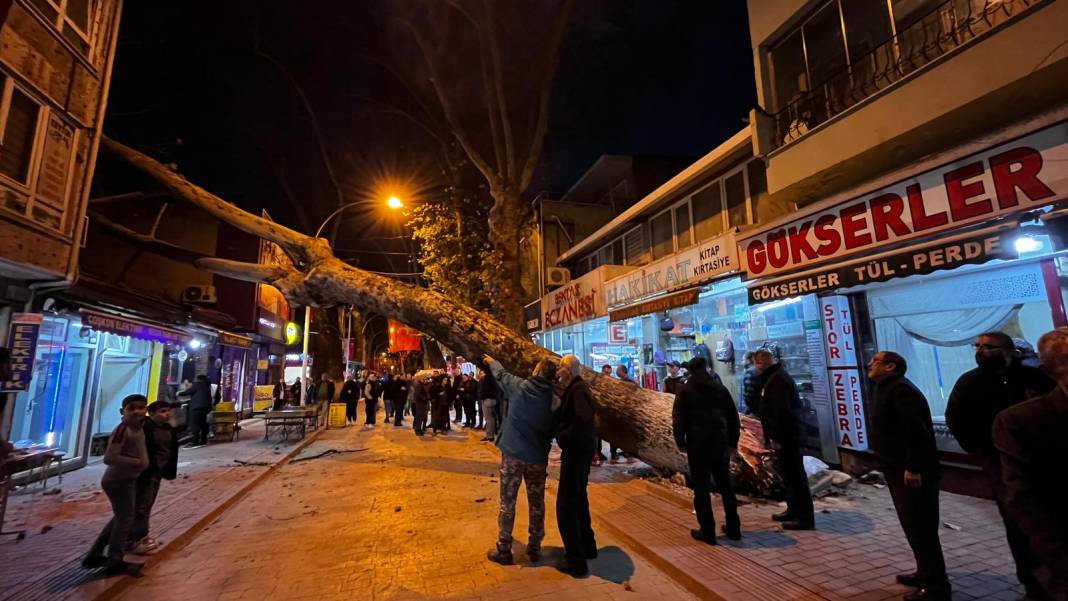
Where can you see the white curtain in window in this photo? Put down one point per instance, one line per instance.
(955, 328)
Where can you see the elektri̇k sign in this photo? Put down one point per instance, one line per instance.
(1021, 175)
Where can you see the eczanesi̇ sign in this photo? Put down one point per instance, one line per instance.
(1027, 173)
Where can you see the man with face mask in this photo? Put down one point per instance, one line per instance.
(999, 382)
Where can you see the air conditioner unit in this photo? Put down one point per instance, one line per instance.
(557, 276)
(201, 295)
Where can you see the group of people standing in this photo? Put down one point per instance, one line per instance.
(1020, 445)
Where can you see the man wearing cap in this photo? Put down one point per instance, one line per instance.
(674, 378)
(704, 421)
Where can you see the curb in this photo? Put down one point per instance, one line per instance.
(688, 582)
(122, 583)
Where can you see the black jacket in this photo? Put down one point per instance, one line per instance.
(350, 392)
(575, 425)
(1032, 440)
(451, 387)
(751, 391)
(902, 435)
(980, 394)
(704, 416)
(487, 387)
(199, 396)
(672, 383)
(779, 407)
(468, 391)
(169, 471)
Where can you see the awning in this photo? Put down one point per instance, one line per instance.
(124, 326)
(656, 305)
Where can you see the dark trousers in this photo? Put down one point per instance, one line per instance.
(370, 407)
(198, 426)
(705, 464)
(458, 406)
(123, 497)
(794, 478)
(469, 412)
(439, 418)
(419, 416)
(1026, 561)
(147, 489)
(351, 411)
(572, 504)
(398, 412)
(917, 510)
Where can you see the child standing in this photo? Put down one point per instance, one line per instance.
(126, 457)
(161, 441)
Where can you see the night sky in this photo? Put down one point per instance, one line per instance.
(669, 77)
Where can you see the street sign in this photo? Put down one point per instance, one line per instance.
(22, 341)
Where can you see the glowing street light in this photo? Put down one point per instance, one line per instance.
(394, 203)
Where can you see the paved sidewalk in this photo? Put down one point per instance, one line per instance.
(60, 526)
(854, 554)
(406, 519)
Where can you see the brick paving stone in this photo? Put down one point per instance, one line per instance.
(45, 565)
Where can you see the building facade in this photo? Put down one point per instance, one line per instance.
(924, 145)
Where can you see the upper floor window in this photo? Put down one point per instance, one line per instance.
(73, 19)
(722, 204)
(846, 50)
(36, 158)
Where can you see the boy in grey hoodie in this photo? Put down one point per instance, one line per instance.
(126, 457)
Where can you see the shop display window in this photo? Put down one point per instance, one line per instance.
(49, 414)
(933, 321)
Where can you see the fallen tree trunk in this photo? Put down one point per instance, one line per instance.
(632, 418)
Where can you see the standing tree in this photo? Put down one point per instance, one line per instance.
(482, 85)
(638, 420)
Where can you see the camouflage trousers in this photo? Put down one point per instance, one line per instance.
(513, 473)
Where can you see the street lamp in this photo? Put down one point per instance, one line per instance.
(334, 214)
(394, 203)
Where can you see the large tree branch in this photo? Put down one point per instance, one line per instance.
(637, 420)
(541, 125)
(146, 242)
(303, 249)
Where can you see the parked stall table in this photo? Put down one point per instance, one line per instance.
(286, 420)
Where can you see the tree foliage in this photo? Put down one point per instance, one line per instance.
(456, 253)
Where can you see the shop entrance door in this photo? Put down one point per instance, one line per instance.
(119, 377)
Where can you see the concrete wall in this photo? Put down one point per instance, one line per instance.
(995, 80)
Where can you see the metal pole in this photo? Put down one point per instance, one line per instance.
(348, 340)
(304, 359)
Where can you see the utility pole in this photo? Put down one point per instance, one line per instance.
(304, 358)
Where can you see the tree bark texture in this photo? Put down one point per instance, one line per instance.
(634, 419)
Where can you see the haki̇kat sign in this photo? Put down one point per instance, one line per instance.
(1021, 175)
(690, 267)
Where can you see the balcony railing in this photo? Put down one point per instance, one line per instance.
(947, 26)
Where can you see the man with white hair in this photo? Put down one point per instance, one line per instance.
(1030, 439)
(576, 434)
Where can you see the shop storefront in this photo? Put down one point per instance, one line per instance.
(237, 363)
(574, 317)
(84, 365)
(668, 311)
(974, 246)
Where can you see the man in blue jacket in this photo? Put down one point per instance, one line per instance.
(524, 441)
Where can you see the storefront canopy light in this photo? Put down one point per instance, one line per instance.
(1029, 244)
(195, 344)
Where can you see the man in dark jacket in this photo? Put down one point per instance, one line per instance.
(401, 384)
(902, 437)
(1032, 441)
(674, 378)
(161, 442)
(999, 382)
(779, 406)
(200, 404)
(468, 393)
(439, 405)
(350, 395)
(526, 436)
(371, 393)
(576, 433)
(750, 386)
(705, 423)
(420, 403)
